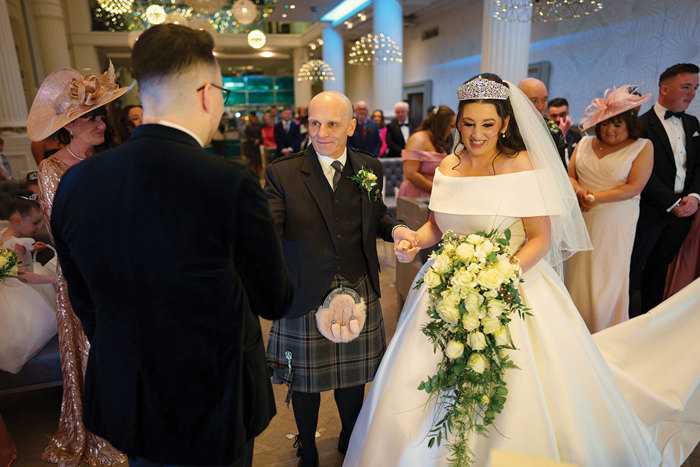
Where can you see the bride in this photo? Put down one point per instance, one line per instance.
(615, 401)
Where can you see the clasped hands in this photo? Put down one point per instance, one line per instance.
(586, 199)
(405, 244)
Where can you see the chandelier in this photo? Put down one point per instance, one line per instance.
(543, 11)
(244, 11)
(155, 14)
(116, 7)
(315, 70)
(374, 48)
(256, 38)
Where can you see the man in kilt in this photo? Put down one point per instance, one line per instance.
(328, 224)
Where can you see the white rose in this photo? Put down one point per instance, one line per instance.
(463, 278)
(473, 302)
(475, 239)
(442, 263)
(501, 336)
(470, 321)
(371, 176)
(477, 363)
(454, 350)
(496, 308)
(476, 341)
(451, 297)
(448, 249)
(448, 312)
(490, 278)
(505, 267)
(488, 247)
(491, 325)
(431, 279)
(465, 251)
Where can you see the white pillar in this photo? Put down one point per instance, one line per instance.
(13, 107)
(504, 46)
(334, 55)
(51, 29)
(388, 77)
(302, 89)
(79, 20)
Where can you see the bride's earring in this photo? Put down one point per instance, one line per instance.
(503, 134)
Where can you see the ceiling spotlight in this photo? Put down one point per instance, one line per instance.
(320, 41)
(267, 54)
(312, 46)
(292, 6)
(284, 15)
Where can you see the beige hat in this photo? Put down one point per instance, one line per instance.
(66, 95)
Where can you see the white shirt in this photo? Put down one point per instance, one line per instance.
(326, 162)
(676, 137)
(182, 129)
(405, 131)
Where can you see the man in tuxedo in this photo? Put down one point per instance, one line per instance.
(171, 255)
(536, 91)
(670, 198)
(287, 135)
(366, 135)
(328, 224)
(558, 112)
(399, 129)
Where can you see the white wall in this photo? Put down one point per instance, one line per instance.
(628, 42)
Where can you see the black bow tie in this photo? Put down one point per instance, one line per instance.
(403, 124)
(670, 114)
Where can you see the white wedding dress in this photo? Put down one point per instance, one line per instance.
(629, 399)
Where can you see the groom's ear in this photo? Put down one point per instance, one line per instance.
(351, 128)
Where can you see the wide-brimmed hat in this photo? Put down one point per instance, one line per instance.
(614, 102)
(66, 95)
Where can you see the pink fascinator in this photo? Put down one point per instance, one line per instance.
(614, 102)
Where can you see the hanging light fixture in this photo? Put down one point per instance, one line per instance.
(256, 38)
(244, 11)
(116, 6)
(155, 14)
(543, 11)
(314, 70)
(374, 48)
(206, 7)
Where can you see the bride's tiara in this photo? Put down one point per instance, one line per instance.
(480, 88)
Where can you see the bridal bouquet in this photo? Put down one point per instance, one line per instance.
(8, 263)
(473, 293)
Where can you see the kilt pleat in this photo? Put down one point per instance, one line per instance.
(319, 364)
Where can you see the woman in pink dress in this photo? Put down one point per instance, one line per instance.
(378, 116)
(424, 151)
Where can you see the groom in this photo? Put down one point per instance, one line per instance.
(328, 225)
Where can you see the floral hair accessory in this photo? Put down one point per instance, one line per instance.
(614, 102)
(366, 179)
(480, 88)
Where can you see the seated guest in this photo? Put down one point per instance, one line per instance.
(378, 117)
(287, 135)
(366, 135)
(399, 129)
(424, 151)
(558, 112)
(608, 172)
(32, 182)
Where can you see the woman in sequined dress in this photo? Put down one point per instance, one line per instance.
(72, 106)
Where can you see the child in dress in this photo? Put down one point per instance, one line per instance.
(27, 303)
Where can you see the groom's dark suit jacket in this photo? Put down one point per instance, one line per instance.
(302, 206)
(170, 256)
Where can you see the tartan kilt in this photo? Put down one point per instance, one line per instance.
(319, 364)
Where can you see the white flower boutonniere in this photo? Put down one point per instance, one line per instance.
(366, 179)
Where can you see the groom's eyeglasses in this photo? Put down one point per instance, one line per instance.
(224, 91)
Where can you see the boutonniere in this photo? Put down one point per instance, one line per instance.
(366, 179)
(553, 128)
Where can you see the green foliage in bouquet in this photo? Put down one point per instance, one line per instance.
(473, 293)
(9, 264)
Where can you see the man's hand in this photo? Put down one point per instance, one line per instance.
(405, 244)
(688, 207)
(565, 125)
(286, 151)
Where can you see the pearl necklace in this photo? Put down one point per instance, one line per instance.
(73, 154)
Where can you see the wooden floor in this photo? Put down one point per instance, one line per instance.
(31, 417)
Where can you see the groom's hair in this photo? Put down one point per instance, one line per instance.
(168, 49)
(677, 69)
